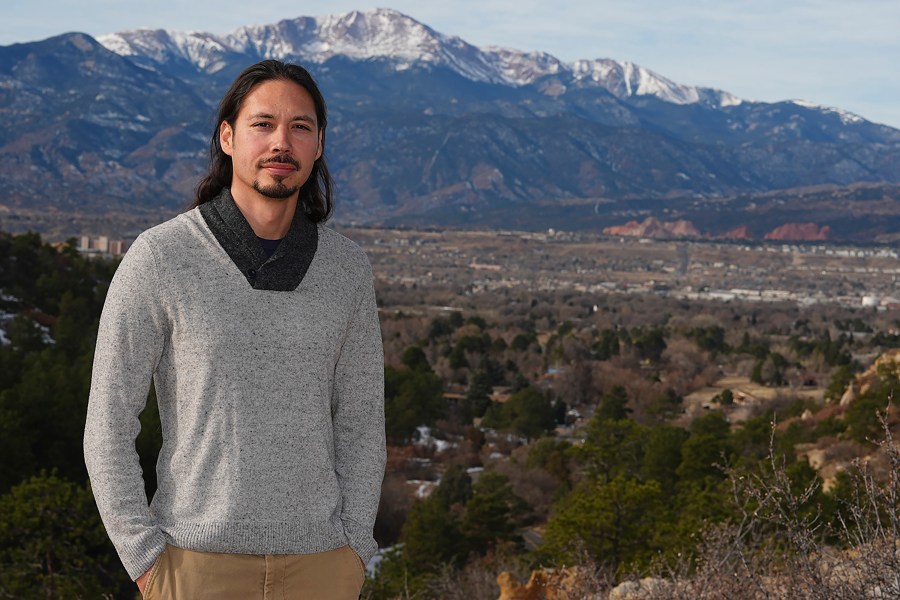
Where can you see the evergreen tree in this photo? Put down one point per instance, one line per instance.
(53, 545)
(616, 523)
(455, 487)
(704, 453)
(412, 399)
(478, 394)
(414, 359)
(493, 514)
(662, 456)
(613, 405)
(431, 537)
(527, 412)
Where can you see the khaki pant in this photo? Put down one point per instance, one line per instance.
(187, 575)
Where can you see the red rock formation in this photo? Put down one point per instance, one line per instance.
(796, 232)
(652, 227)
(682, 228)
(547, 584)
(738, 233)
(628, 229)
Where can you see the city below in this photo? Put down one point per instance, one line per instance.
(477, 261)
(473, 262)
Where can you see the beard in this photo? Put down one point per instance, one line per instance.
(276, 191)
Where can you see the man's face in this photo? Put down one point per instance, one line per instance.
(274, 142)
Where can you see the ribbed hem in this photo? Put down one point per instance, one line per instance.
(256, 538)
(366, 548)
(138, 558)
(361, 541)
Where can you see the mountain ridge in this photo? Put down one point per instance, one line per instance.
(387, 33)
(427, 129)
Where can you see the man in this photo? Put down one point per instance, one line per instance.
(258, 327)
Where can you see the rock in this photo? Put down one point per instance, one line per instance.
(738, 233)
(849, 395)
(886, 363)
(645, 589)
(654, 228)
(573, 583)
(796, 232)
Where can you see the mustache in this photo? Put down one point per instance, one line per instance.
(283, 159)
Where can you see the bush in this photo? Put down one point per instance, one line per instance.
(53, 545)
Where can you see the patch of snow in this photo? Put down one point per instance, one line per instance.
(5, 317)
(45, 335)
(423, 487)
(116, 42)
(425, 439)
(846, 117)
(726, 99)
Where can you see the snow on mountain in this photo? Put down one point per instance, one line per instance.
(523, 68)
(625, 79)
(389, 34)
(846, 116)
(198, 48)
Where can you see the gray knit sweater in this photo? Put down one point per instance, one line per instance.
(270, 396)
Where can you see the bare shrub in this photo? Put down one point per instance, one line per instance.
(472, 582)
(478, 579)
(781, 547)
(683, 363)
(535, 486)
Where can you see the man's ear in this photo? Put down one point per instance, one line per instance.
(226, 138)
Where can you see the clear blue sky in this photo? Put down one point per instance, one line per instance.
(833, 52)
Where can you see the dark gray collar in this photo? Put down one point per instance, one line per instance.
(284, 270)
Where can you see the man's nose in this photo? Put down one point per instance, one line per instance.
(281, 140)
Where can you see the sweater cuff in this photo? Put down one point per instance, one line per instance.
(360, 540)
(139, 557)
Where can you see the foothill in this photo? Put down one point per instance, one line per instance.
(589, 412)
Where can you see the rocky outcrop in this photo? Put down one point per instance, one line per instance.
(799, 232)
(649, 588)
(652, 227)
(738, 233)
(889, 362)
(578, 583)
(550, 584)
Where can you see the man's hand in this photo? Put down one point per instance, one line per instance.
(142, 581)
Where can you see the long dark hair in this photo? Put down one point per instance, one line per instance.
(316, 194)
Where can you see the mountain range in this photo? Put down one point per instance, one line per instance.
(426, 129)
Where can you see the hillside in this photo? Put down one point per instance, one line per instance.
(520, 418)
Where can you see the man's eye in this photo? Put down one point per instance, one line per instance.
(261, 124)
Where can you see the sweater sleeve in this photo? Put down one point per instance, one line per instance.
(132, 335)
(358, 420)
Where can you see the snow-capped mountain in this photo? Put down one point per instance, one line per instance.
(391, 35)
(425, 128)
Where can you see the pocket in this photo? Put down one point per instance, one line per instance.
(154, 571)
(357, 559)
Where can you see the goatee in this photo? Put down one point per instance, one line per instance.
(277, 191)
